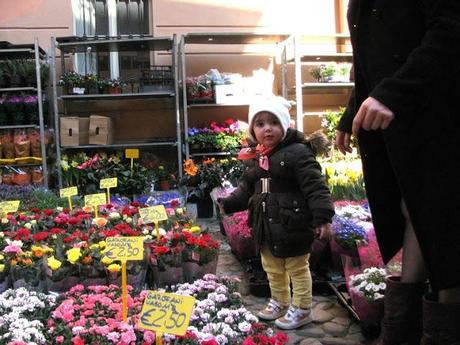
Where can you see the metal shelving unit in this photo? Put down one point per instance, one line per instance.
(298, 58)
(223, 38)
(28, 51)
(69, 45)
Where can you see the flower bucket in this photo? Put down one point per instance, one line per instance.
(171, 276)
(62, 285)
(191, 271)
(210, 267)
(36, 285)
(137, 281)
(370, 314)
(5, 284)
(205, 207)
(93, 281)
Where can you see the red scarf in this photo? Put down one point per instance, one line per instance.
(259, 151)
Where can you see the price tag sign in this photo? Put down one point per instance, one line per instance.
(9, 206)
(125, 248)
(95, 199)
(153, 214)
(108, 183)
(132, 153)
(166, 312)
(66, 192)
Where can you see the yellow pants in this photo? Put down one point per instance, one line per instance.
(283, 271)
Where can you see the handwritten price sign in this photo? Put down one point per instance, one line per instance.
(9, 206)
(132, 153)
(153, 214)
(125, 248)
(66, 192)
(95, 199)
(108, 183)
(166, 312)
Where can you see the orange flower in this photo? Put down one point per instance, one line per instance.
(38, 252)
(87, 260)
(208, 161)
(100, 221)
(13, 262)
(190, 168)
(87, 209)
(27, 261)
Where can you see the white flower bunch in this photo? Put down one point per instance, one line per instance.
(356, 212)
(370, 284)
(19, 316)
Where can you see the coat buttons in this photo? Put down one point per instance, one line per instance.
(270, 220)
(282, 163)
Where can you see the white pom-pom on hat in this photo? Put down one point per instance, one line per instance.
(275, 105)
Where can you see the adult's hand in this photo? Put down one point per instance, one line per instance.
(372, 115)
(342, 141)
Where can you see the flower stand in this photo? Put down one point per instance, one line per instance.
(62, 285)
(370, 314)
(191, 271)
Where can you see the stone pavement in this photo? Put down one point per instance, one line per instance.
(332, 324)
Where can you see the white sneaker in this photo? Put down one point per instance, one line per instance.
(294, 318)
(272, 311)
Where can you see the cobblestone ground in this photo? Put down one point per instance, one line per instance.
(331, 325)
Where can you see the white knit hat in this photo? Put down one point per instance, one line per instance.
(276, 105)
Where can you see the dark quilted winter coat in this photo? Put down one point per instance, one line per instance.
(299, 199)
(407, 56)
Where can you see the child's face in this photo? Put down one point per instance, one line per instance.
(267, 129)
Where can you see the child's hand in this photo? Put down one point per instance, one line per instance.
(324, 232)
(221, 206)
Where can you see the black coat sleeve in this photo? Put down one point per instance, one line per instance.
(313, 186)
(427, 67)
(346, 121)
(239, 198)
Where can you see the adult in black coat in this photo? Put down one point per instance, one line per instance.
(404, 112)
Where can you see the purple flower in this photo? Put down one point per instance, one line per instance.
(15, 99)
(30, 99)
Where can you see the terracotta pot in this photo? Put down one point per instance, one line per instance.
(114, 89)
(164, 185)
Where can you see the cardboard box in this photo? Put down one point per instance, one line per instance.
(74, 131)
(100, 130)
(230, 94)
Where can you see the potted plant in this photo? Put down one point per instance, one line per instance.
(367, 291)
(346, 233)
(15, 107)
(44, 74)
(201, 179)
(12, 71)
(3, 76)
(72, 83)
(164, 177)
(323, 73)
(31, 109)
(91, 84)
(27, 72)
(3, 113)
(103, 85)
(116, 85)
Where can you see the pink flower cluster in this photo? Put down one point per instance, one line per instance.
(94, 315)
